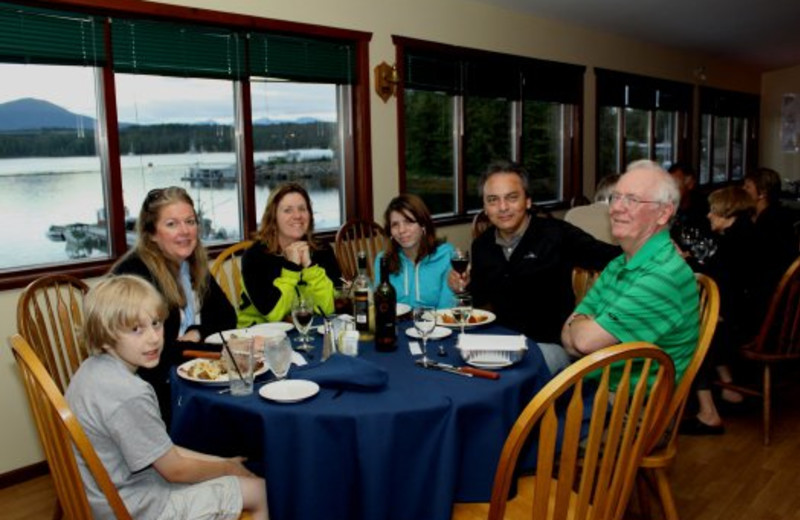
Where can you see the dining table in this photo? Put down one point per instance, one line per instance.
(405, 451)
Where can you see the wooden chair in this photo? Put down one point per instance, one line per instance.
(355, 236)
(50, 316)
(60, 432)
(589, 477)
(227, 270)
(777, 342)
(653, 469)
(480, 223)
(582, 281)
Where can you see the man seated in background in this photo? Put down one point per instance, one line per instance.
(648, 293)
(692, 212)
(594, 218)
(522, 265)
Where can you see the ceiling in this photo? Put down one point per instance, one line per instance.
(761, 33)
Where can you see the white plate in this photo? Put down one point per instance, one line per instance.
(489, 364)
(403, 308)
(183, 371)
(289, 390)
(262, 329)
(438, 333)
(446, 314)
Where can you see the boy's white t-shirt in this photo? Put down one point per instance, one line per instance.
(120, 415)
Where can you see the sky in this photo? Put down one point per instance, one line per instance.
(146, 99)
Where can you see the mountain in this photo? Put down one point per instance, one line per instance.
(34, 114)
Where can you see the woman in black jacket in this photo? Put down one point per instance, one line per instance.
(736, 268)
(168, 254)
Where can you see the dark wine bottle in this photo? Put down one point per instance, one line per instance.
(385, 313)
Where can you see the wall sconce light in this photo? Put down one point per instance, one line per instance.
(386, 80)
(700, 74)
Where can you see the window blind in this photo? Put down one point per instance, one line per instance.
(44, 36)
(301, 59)
(726, 103)
(173, 49)
(618, 89)
(487, 74)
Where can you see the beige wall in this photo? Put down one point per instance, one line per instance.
(457, 22)
(773, 86)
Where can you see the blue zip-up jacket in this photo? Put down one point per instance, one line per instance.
(424, 283)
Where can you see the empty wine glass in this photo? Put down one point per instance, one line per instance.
(462, 309)
(278, 353)
(459, 260)
(303, 317)
(424, 322)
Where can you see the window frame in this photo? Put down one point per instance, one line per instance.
(571, 177)
(357, 182)
(630, 91)
(725, 104)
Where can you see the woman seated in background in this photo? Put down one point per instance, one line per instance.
(286, 261)
(418, 263)
(168, 254)
(735, 268)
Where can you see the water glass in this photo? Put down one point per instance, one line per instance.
(239, 359)
(303, 317)
(424, 322)
(278, 354)
(462, 309)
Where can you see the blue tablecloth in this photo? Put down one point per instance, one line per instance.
(406, 452)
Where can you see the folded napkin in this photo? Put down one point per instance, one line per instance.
(297, 359)
(346, 372)
(491, 342)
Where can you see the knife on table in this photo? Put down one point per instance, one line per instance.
(462, 371)
(201, 354)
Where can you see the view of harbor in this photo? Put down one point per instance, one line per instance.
(45, 198)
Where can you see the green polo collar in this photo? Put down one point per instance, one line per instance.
(649, 250)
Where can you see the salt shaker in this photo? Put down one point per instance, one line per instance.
(328, 341)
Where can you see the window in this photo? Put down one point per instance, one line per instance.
(461, 109)
(640, 118)
(83, 139)
(727, 135)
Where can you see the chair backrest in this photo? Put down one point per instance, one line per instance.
(59, 432)
(582, 281)
(50, 316)
(480, 223)
(780, 330)
(577, 474)
(227, 270)
(709, 315)
(355, 236)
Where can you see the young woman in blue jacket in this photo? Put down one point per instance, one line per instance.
(418, 263)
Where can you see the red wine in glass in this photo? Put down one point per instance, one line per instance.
(303, 318)
(460, 264)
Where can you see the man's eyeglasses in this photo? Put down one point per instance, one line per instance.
(627, 200)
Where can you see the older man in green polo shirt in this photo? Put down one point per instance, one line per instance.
(648, 293)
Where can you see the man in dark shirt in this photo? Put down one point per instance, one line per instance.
(692, 212)
(522, 265)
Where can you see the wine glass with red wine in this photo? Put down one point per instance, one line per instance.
(303, 317)
(459, 260)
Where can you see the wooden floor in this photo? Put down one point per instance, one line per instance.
(729, 477)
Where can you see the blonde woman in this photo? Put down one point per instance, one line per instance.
(286, 261)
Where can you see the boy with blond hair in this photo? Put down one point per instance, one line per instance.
(119, 411)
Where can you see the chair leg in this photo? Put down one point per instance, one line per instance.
(642, 492)
(665, 494)
(767, 392)
(58, 512)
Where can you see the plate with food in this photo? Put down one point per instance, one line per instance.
(476, 318)
(211, 371)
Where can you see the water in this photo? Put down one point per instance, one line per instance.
(36, 193)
